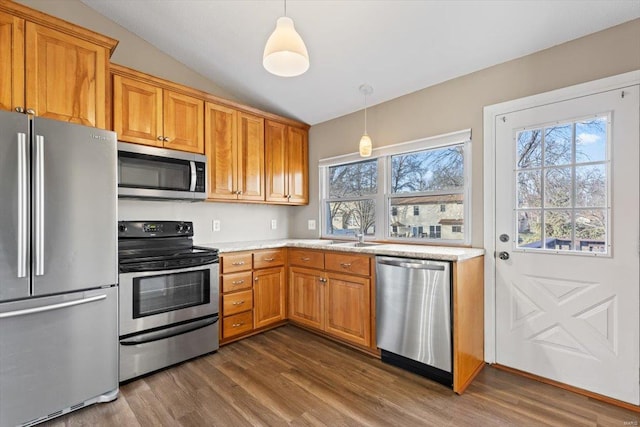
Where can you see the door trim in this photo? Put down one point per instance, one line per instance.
(490, 114)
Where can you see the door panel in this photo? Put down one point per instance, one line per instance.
(298, 165)
(250, 157)
(14, 179)
(567, 297)
(11, 62)
(66, 77)
(348, 308)
(221, 149)
(137, 111)
(78, 209)
(276, 162)
(183, 122)
(268, 296)
(306, 302)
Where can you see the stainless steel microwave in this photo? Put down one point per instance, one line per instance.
(146, 172)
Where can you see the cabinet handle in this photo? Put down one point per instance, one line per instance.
(345, 264)
(322, 279)
(19, 110)
(160, 138)
(306, 258)
(239, 193)
(31, 111)
(235, 325)
(238, 263)
(238, 303)
(255, 279)
(165, 139)
(269, 259)
(237, 282)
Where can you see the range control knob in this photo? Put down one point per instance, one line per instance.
(179, 227)
(122, 228)
(187, 228)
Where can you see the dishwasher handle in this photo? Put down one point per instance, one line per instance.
(411, 264)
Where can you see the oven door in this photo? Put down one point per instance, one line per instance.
(155, 299)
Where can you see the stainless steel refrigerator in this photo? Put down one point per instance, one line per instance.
(58, 268)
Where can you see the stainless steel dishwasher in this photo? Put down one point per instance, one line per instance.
(413, 310)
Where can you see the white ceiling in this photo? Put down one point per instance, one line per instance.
(396, 46)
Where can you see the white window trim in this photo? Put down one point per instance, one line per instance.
(490, 114)
(382, 199)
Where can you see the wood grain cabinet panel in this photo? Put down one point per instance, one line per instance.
(183, 122)
(237, 302)
(268, 296)
(237, 324)
(306, 297)
(234, 262)
(348, 263)
(306, 258)
(137, 111)
(250, 157)
(287, 164)
(268, 258)
(221, 147)
(11, 62)
(349, 308)
(237, 281)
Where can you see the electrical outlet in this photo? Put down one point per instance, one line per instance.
(311, 224)
(274, 224)
(216, 225)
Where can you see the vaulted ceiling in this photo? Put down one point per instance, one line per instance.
(396, 46)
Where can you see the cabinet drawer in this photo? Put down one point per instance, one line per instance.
(237, 302)
(236, 262)
(270, 258)
(236, 325)
(305, 258)
(348, 263)
(236, 281)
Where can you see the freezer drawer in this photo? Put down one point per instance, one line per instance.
(57, 352)
(413, 304)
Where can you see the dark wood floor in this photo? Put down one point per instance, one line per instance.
(288, 376)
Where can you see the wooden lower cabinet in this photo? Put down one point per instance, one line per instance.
(268, 296)
(237, 324)
(339, 304)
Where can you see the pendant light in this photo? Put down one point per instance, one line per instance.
(365, 141)
(285, 54)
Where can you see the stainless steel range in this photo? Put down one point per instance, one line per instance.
(168, 296)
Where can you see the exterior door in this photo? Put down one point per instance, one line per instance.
(567, 229)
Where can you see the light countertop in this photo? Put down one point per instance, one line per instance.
(444, 253)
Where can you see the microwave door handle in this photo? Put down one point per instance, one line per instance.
(194, 176)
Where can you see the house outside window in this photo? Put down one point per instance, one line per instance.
(413, 191)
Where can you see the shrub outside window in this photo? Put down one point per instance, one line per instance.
(413, 192)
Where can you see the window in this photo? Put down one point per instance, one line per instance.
(406, 192)
(562, 185)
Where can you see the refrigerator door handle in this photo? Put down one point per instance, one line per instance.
(194, 176)
(39, 214)
(23, 207)
(28, 311)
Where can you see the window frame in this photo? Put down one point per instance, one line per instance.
(383, 197)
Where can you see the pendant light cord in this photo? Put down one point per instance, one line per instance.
(365, 113)
(285, 7)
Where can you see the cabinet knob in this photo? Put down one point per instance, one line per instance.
(31, 111)
(160, 138)
(255, 279)
(165, 139)
(239, 193)
(19, 110)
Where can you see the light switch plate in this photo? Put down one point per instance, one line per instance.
(216, 225)
(311, 224)
(274, 224)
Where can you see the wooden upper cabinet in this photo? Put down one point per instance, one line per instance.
(145, 113)
(250, 157)
(137, 111)
(11, 62)
(221, 136)
(287, 169)
(52, 68)
(183, 122)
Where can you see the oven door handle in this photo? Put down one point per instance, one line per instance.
(169, 332)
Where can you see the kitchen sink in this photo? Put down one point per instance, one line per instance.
(355, 244)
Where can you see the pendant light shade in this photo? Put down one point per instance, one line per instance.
(365, 142)
(285, 54)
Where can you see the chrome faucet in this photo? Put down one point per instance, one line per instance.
(360, 237)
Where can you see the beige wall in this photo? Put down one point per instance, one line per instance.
(132, 51)
(458, 104)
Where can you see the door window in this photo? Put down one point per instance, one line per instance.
(562, 186)
(170, 292)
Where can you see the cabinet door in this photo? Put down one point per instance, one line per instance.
(66, 77)
(137, 111)
(276, 176)
(183, 122)
(268, 296)
(11, 62)
(250, 157)
(298, 165)
(220, 125)
(348, 308)
(306, 292)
